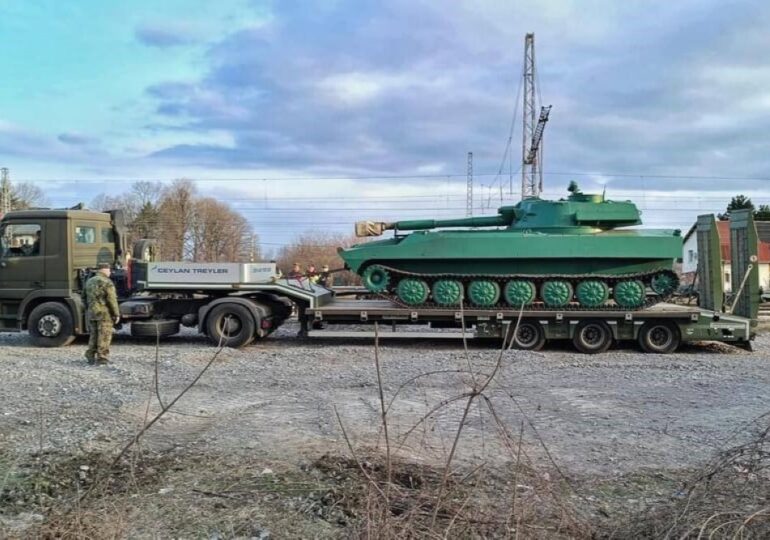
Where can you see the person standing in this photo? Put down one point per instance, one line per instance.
(324, 279)
(312, 275)
(102, 313)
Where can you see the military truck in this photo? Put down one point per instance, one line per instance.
(47, 255)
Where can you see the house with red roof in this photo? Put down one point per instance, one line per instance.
(690, 254)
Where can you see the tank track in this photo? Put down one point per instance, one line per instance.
(537, 305)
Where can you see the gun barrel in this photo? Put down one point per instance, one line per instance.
(422, 224)
(506, 215)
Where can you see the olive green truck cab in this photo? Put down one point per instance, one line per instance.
(44, 258)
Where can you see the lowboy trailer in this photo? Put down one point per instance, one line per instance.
(47, 255)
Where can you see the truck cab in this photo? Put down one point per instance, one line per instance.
(44, 256)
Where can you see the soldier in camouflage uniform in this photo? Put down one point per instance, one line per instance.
(102, 313)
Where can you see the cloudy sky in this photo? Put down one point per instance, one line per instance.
(310, 114)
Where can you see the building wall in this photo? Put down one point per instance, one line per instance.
(690, 254)
(764, 276)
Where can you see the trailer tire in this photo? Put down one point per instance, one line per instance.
(661, 337)
(529, 336)
(159, 328)
(592, 337)
(231, 325)
(50, 325)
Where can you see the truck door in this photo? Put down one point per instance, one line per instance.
(22, 266)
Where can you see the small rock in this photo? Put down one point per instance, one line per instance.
(163, 491)
(266, 471)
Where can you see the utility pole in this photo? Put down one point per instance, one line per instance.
(469, 187)
(5, 191)
(531, 175)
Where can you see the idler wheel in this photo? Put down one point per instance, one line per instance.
(556, 293)
(412, 291)
(592, 293)
(375, 278)
(483, 293)
(629, 294)
(664, 283)
(447, 292)
(519, 292)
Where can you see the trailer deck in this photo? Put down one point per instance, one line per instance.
(691, 323)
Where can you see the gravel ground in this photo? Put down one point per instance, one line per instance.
(615, 413)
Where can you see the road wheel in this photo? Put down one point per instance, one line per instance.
(159, 328)
(50, 325)
(659, 337)
(232, 325)
(529, 336)
(556, 294)
(483, 293)
(592, 337)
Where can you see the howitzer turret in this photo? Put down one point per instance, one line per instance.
(550, 253)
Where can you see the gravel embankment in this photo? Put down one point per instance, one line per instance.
(618, 412)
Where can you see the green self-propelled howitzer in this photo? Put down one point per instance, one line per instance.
(574, 252)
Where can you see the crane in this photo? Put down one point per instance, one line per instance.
(534, 145)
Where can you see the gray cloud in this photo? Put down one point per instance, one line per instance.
(165, 35)
(393, 87)
(75, 139)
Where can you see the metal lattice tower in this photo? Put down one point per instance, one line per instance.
(531, 173)
(5, 191)
(469, 187)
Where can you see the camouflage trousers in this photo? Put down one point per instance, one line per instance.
(99, 339)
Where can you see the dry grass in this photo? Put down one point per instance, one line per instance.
(729, 498)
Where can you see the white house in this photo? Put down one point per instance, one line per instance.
(690, 254)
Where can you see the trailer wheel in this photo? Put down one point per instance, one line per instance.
(659, 337)
(529, 336)
(159, 328)
(50, 325)
(232, 325)
(592, 337)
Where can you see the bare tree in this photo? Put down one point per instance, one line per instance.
(218, 233)
(318, 248)
(26, 195)
(176, 208)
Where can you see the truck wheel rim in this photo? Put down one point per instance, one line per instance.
(518, 293)
(484, 293)
(230, 325)
(556, 293)
(629, 294)
(527, 335)
(592, 293)
(592, 335)
(49, 326)
(412, 291)
(447, 292)
(660, 336)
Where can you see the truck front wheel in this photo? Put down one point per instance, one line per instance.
(50, 325)
(230, 325)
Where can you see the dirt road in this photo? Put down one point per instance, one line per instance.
(611, 414)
